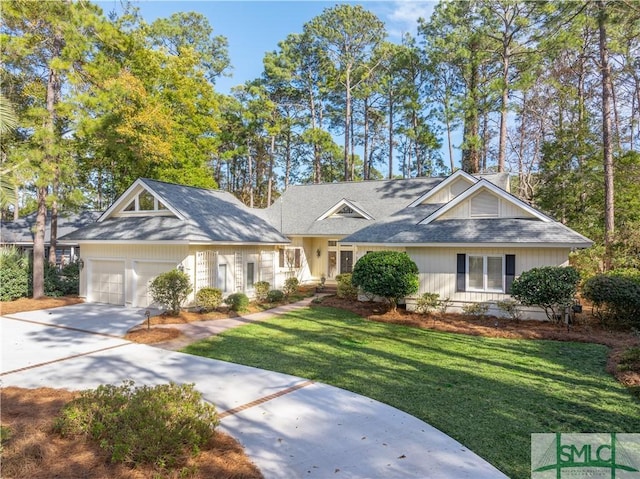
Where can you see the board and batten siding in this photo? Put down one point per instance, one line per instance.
(447, 193)
(486, 204)
(130, 254)
(363, 250)
(437, 268)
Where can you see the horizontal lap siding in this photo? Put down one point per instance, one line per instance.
(437, 268)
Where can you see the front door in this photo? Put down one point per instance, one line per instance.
(346, 262)
(333, 265)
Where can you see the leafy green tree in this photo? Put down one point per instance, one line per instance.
(389, 274)
(171, 289)
(454, 36)
(8, 124)
(152, 109)
(552, 288)
(349, 35)
(44, 46)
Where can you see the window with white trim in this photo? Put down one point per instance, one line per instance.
(485, 273)
(289, 258)
(251, 275)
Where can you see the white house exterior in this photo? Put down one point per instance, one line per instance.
(468, 236)
(155, 227)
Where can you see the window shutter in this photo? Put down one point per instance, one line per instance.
(281, 258)
(297, 258)
(460, 272)
(509, 271)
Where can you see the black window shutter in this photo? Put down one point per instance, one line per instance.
(461, 272)
(509, 271)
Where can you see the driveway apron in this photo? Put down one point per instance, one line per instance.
(290, 427)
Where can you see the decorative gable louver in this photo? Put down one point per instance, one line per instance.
(485, 205)
(346, 209)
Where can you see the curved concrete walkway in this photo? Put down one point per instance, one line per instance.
(290, 427)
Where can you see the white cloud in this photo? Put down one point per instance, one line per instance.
(402, 15)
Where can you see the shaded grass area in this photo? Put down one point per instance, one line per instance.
(490, 394)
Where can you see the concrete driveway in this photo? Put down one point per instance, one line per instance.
(290, 427)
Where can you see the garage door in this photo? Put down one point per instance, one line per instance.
(144, 273)
(106, 282)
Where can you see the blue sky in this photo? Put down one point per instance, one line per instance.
(253, 28)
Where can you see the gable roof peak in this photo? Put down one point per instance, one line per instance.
(481, 184)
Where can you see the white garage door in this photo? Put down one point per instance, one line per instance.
(106, 282)
(144, 273)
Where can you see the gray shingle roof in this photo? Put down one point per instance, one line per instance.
(297, 211)
(22, 230)
(403, 229)
(210, 216)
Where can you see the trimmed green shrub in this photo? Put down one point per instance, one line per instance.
(171, 289)
(262, 290)
(61, 281)
(237, 302)
(275, 296)
(552, 288)
(389, 274)
(476, 309)
(69, 278)
(615, 298)
(290, 286)
(345, 288)
(427, 302)
(511, 308)
(14, 274)
(209, 298)
(162, 425)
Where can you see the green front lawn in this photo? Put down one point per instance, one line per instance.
(489, 394)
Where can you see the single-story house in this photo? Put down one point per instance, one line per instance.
(21, 233)
(468, 235)
(154, 227)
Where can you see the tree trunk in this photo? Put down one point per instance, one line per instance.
(523, 119)
(53, 86)
(287, 160)
(16, 205)
(470, 153)
(352, 159)
(390, 174)
(38, 244)
(271, 161)
(606, 136)
(347, 125)
(416, 146)
(365, 155)
(53, 227)
(250, 172)
(448, 122)
(502, 144)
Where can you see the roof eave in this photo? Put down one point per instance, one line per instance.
(470, 245)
